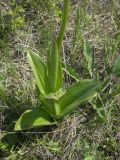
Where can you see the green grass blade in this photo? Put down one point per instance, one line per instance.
(38, 68)
(77, 94)
(71, 72)
(88, 56)
(34, 118)
(77, 28)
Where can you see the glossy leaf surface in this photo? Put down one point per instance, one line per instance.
(54, 69)
(77, 94)
(51, 102)
(33, 118)
(38, 68)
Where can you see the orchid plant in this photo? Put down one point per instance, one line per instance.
(56, 102)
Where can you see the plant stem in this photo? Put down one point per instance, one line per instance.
(63, 24)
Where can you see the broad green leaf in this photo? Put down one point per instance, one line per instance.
(52, 106)
(38, 68)
(54, 69)
(77, 94)
(34, 118)
(51, 102)
(88, 56)
(116, 67)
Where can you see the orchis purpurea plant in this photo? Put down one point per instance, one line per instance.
(56, 102)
